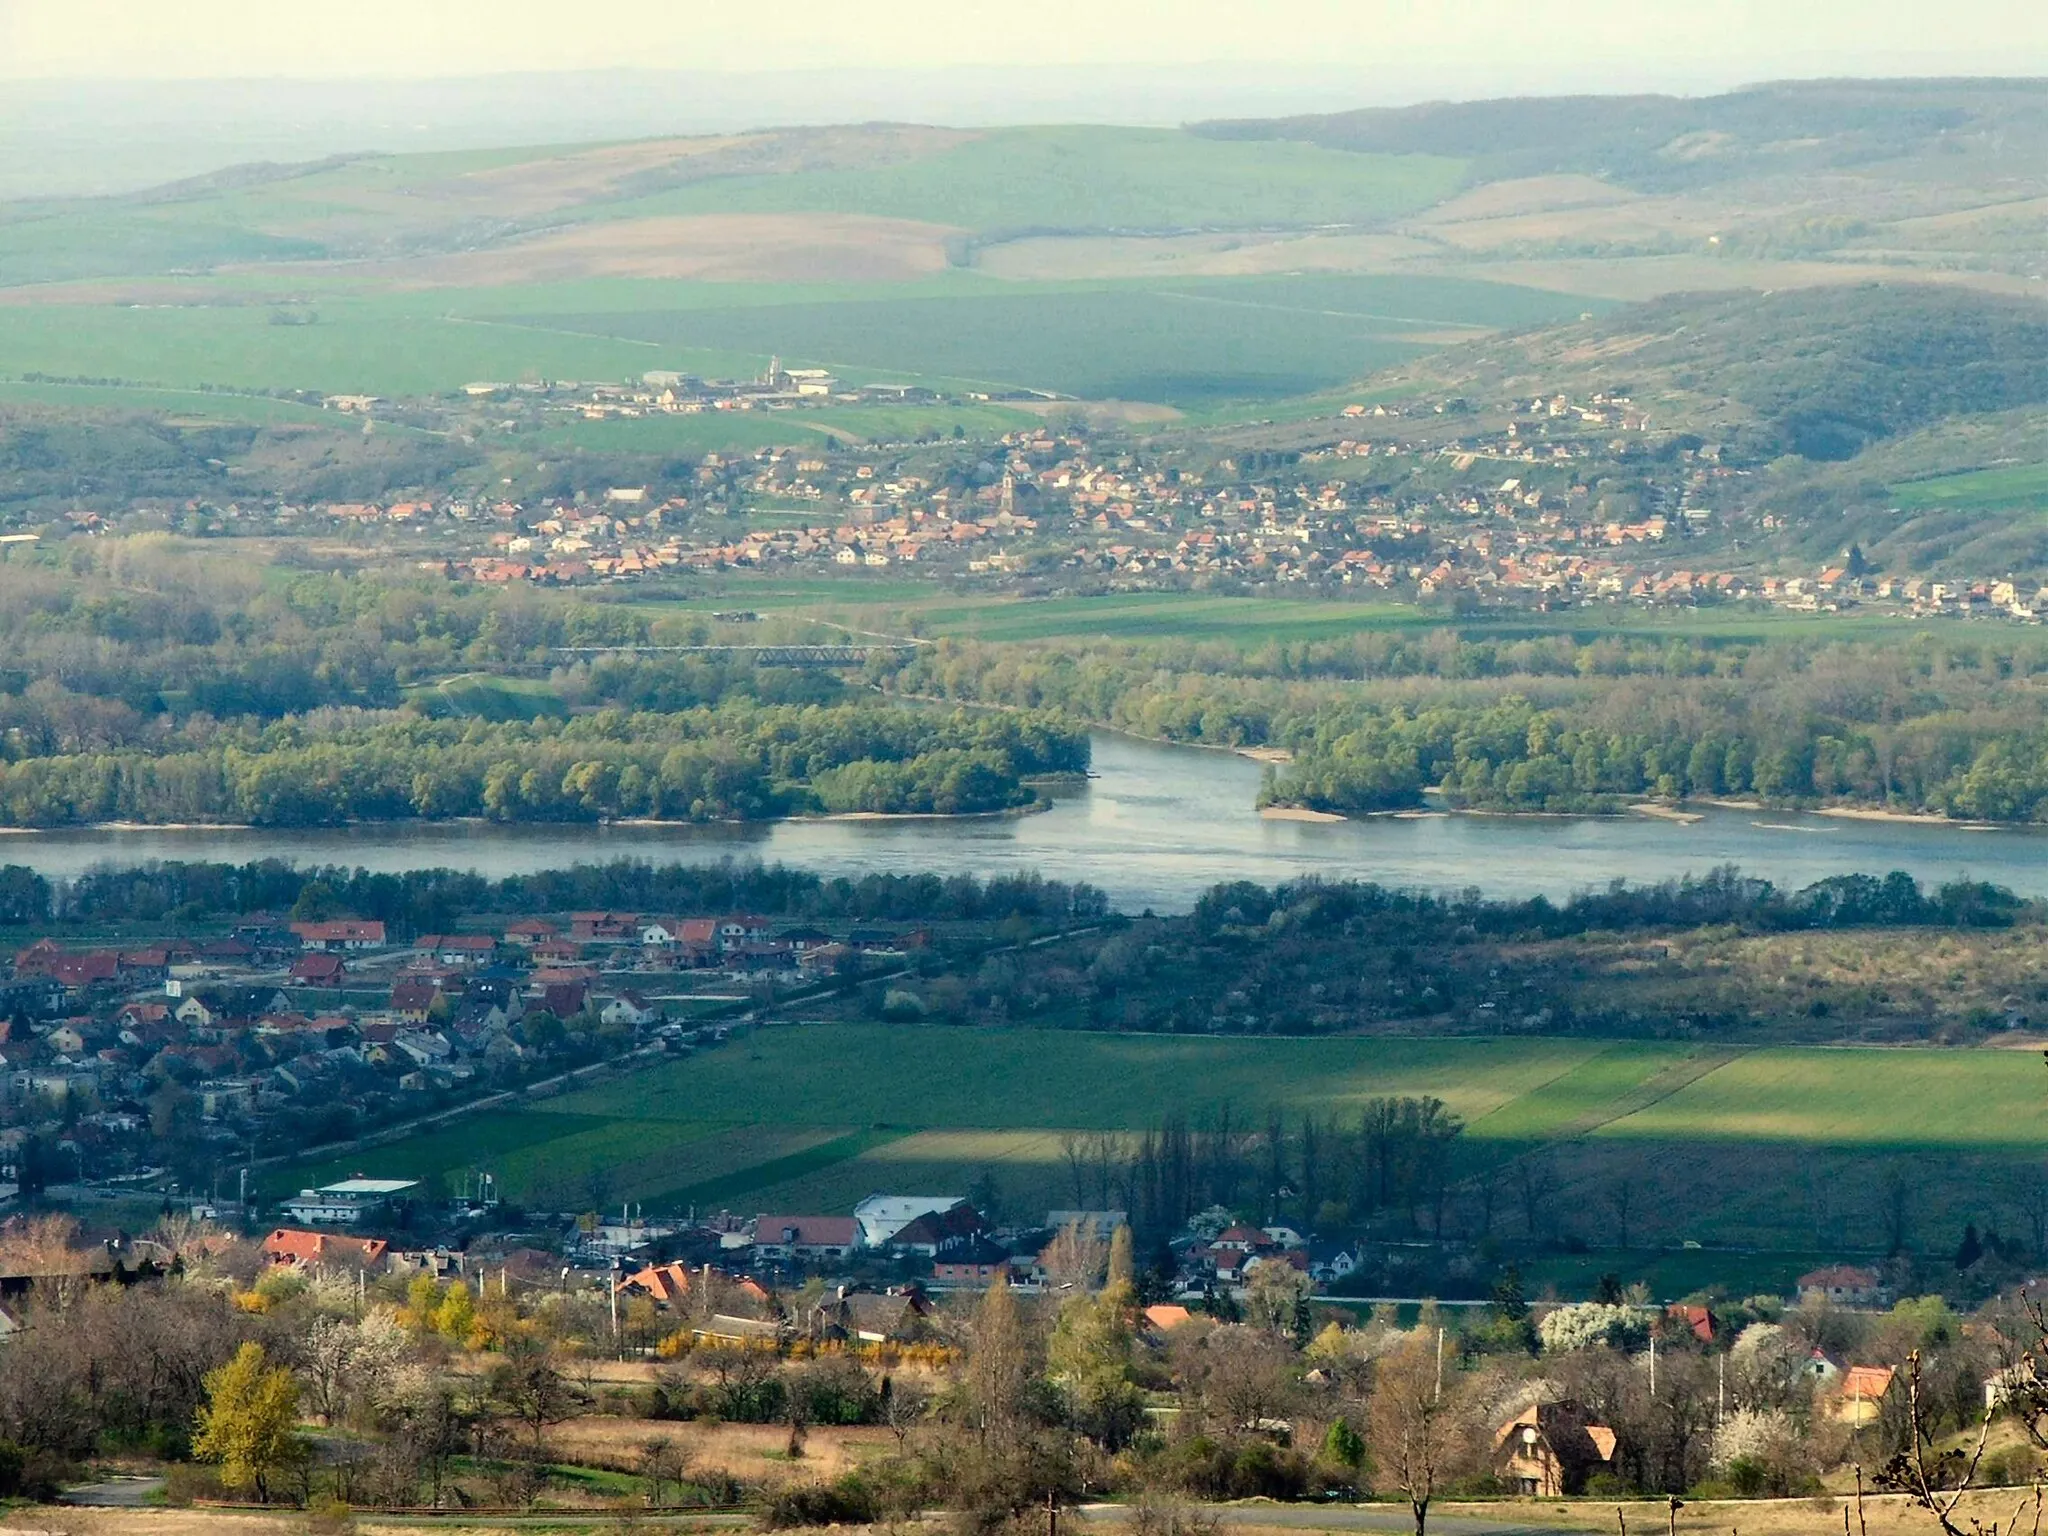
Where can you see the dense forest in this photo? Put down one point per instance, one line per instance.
(1556, 723)
(140, 680)
(142, 686)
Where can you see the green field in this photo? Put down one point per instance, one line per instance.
(1191, 344)
(1086, 178)
(2020, 485)
(1023, 179)
(1195, 343)
(1778, 1150)
(892, 604)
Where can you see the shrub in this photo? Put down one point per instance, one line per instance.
(1264, 1470)
(329, 1516)
(189, 1481)
(849, 1501)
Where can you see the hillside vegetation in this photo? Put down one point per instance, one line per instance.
(1670, 142)
(1822, 373)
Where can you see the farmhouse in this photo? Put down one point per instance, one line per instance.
(339, 937)
(814, 1239)
(1843, 1285)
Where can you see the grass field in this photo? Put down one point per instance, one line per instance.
(1780, 1153)
(2020, 485)
(1093, 179)
(1192, 344)
(888, 603)
(1197, 343)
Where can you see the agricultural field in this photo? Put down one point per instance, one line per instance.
(1785, 1151)
(889, 604)
(1087, 178)
(2016, 486)
(1191, 345)
(1195, 344)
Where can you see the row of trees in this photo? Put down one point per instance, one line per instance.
(432, 900)
(739, 761)
(1392, 1155)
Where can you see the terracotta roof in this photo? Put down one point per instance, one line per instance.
(663, 1282)
(289, 1245)
(340, 932)
(809, 1231)
(1843, 1277)
(1869, 1382)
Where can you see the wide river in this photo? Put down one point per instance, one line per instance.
(1156, 827)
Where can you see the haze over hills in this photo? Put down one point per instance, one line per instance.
(70, 138)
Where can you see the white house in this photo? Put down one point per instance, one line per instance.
(881, 1217)
(347, 1203)
(626, 1009)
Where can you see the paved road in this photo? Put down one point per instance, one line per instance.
(114, 1493)
(1341, 1517)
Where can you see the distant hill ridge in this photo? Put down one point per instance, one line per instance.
(1664, 143)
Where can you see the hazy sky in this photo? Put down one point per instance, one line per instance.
(1529, 46)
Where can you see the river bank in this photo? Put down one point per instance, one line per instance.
(1154, 828)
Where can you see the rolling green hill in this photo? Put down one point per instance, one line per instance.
(1071, 179)
(1067, 179)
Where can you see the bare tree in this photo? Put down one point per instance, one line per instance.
(1622, 1197)
(1538, 1181)
(1420, 1428)
(664, 1465)
(905, 1404)
(1075, 1151)
(1076, 1258)
(1897, 1190)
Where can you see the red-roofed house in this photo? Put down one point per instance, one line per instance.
(337, 937)
(604, 925)
(1862, 1391)
(465, 949)
(665, 1283)
(1699, 1321)
(813, 1238)
(1844, 1285)
(319, 970)
(307, 1250)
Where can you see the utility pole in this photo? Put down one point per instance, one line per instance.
(1720, 1390)
(1653, 1366)
(1438, 1395)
